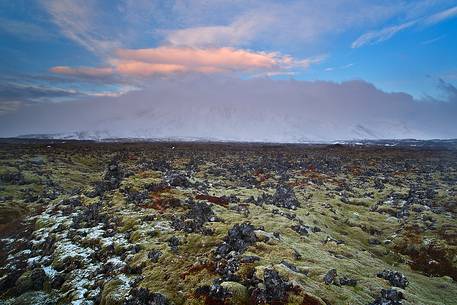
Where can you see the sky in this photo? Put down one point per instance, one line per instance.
(242, 70)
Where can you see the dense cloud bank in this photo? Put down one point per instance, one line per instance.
(245, 110)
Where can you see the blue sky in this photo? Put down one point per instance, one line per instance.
(63, 50)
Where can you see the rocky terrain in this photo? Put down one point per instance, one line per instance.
(167, 223)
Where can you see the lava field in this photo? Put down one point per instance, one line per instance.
(90, 223)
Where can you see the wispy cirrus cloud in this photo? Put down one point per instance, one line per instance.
(239, 32)
(79, 22)
(441, 16)
(223, 23)
(24, 30)
(384, 34)
(21, 90)
(374, 37)
(330, 69)
(172, 60)
(14, 95)
(433, 40)
(86, 71)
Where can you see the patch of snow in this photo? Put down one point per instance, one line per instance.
(50, 272)
(116, 262)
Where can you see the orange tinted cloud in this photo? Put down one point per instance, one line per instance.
(226, 58)
(139, 68)
(167, 60)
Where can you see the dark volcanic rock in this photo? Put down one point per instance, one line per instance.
(137, 197)
(227, 268)
(389, 297)
(395, 278)
(214, 294)
(174, 242)
(300, 229)
(89, 217)
(111, 180)
(142, 296)
(275, 291)
(238, 239)
(290, 266)
(179, 180)
(154, 255)
(284, 197)
(113, 174)
(194, 220)
(13, 178)
(330, 276)
(345, 281)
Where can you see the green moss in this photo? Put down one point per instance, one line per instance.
(114, 292)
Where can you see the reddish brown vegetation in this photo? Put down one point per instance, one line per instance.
(197, 268)
(222, 201)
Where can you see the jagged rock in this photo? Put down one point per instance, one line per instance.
(214, 294)
(227, 268)
(345, 281)
(238, 239)
(284, 197)
(136, 197)
(389, 297)
(178, 180)
(154, 255)
(142, 296)
(111, 179)
(275, 290)
(291, 267)
(90, 216)
(194, 220)
(113, 174)
(395, 278)
(300, 229)
(330, 276)
(173, 243)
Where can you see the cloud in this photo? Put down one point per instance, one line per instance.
(170, 60)
(433, 40)
(221, 23)
(449, 90)
(347, 66)
(29, 90)
(244, 110)
(386, 33)
(87, 71)
(238, 33)
(80, 22)
(243, 23)
(441, 16)
(9, 106)
(24, 30)
(16, 95)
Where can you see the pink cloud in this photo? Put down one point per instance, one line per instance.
(227, 58)
(167, 60)
(140, 68)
